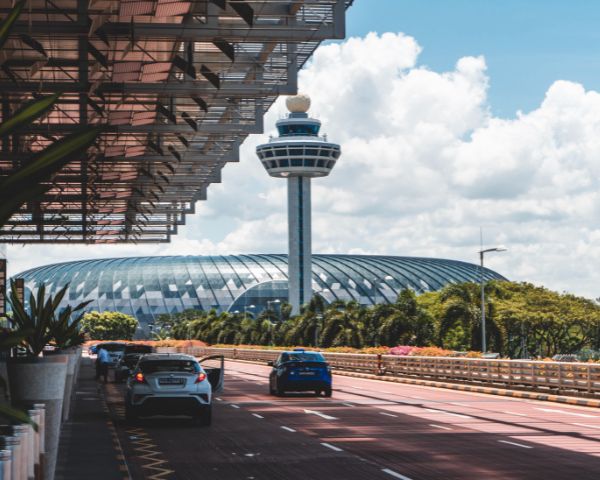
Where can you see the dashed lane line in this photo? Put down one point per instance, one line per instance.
(394, 474)
(347, 404)
(332, 447)
(550, 410)
(234, 406)
(439, 426)
(515, 444)
(388, 414)
(257, 415)
(288, 429)
(517, 414)
(448, 413)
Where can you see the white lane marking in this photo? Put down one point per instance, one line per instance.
(439, 426)
(219, 399)
(448, 413)
(288, 429)
(333, 447)
(234, 406)
(388, 414)
(348, 404)
(515, 444)
(322, 415)
(257, 415)
(518, 414)
(587, 426)
(357, 387)
(394, 474)
(385, 391)
(566, 413)
(460, 404)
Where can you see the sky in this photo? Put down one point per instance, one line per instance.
(453, 116)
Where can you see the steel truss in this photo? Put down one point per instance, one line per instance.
(177, 84)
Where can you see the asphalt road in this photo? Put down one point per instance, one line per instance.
(368, 430)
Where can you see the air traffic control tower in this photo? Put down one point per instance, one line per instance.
(299, 154)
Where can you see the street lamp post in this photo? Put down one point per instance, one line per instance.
(270, 302)
(246, 308)
(319, 318)
(481, 255)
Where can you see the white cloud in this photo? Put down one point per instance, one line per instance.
(424, 165)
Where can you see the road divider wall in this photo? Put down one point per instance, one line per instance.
(566, 378)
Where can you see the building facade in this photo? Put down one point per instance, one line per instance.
(149, 286)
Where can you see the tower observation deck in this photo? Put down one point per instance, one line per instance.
(299, 154)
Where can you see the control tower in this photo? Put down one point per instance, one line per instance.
(299, 154)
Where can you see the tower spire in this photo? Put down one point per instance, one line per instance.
(299, 154)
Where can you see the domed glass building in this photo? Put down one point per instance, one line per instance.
(148, 286)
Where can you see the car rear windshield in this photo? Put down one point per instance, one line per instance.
(156, 366)
(112, 347)
(302, 357)
(138, 349)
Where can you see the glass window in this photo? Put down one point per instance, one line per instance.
(296, 151)
(330, 164)
(268, 153)
(280, 151)
(321, 163)
(312, 152)
(296, 162)
(302, 357)
(309, 162)
(284, 163)
(336, 154)
(154, 366)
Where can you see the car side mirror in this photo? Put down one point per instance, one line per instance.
(270, 363)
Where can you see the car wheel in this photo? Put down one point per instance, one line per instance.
(271, 389)
(204, 417)
(317, 393)
(328, 392)
(280, 391)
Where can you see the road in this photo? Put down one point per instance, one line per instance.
(369, 429)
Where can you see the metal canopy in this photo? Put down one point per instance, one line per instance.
(177, 84)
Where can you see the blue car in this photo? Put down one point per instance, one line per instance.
(300, 371)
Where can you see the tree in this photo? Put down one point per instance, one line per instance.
(109, 325)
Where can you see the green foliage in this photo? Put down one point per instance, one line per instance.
(40, 324)
(521, 319)
(109, 325)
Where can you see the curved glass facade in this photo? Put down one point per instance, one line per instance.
(148, 286)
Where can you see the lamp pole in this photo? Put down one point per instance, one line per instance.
(270, 302)
(481, 255)
(246, 308)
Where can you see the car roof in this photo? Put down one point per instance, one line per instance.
(167, 356)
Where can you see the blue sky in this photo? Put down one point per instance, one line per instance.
(527, 44)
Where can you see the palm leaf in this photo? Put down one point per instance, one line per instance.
(9, 21)
(28, 113)
(18, 415)
(50, 160)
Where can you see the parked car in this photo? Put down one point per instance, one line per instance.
(300, 371)
(174, 385)
(128, 361)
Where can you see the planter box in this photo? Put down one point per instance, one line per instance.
(41, 380)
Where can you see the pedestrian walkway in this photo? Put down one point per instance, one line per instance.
(89, 448)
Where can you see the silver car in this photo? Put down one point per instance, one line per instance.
(173, 384)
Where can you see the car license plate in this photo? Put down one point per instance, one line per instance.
(306, 373)
(170, 381)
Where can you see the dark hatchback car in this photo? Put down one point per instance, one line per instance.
(300, 371)
(128, 361)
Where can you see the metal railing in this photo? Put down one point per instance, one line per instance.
(569, 378)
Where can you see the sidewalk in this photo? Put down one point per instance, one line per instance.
(89, 448)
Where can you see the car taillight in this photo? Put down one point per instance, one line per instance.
(139, 377)
(201, 377)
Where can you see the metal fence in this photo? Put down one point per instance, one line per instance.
(569, 378)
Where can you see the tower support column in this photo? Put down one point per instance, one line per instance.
(299, 234)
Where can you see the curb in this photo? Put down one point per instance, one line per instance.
(584, 402)
(546, 397)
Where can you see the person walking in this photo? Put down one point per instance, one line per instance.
(102, 361)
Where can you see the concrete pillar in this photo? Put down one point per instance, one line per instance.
(299, 238)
